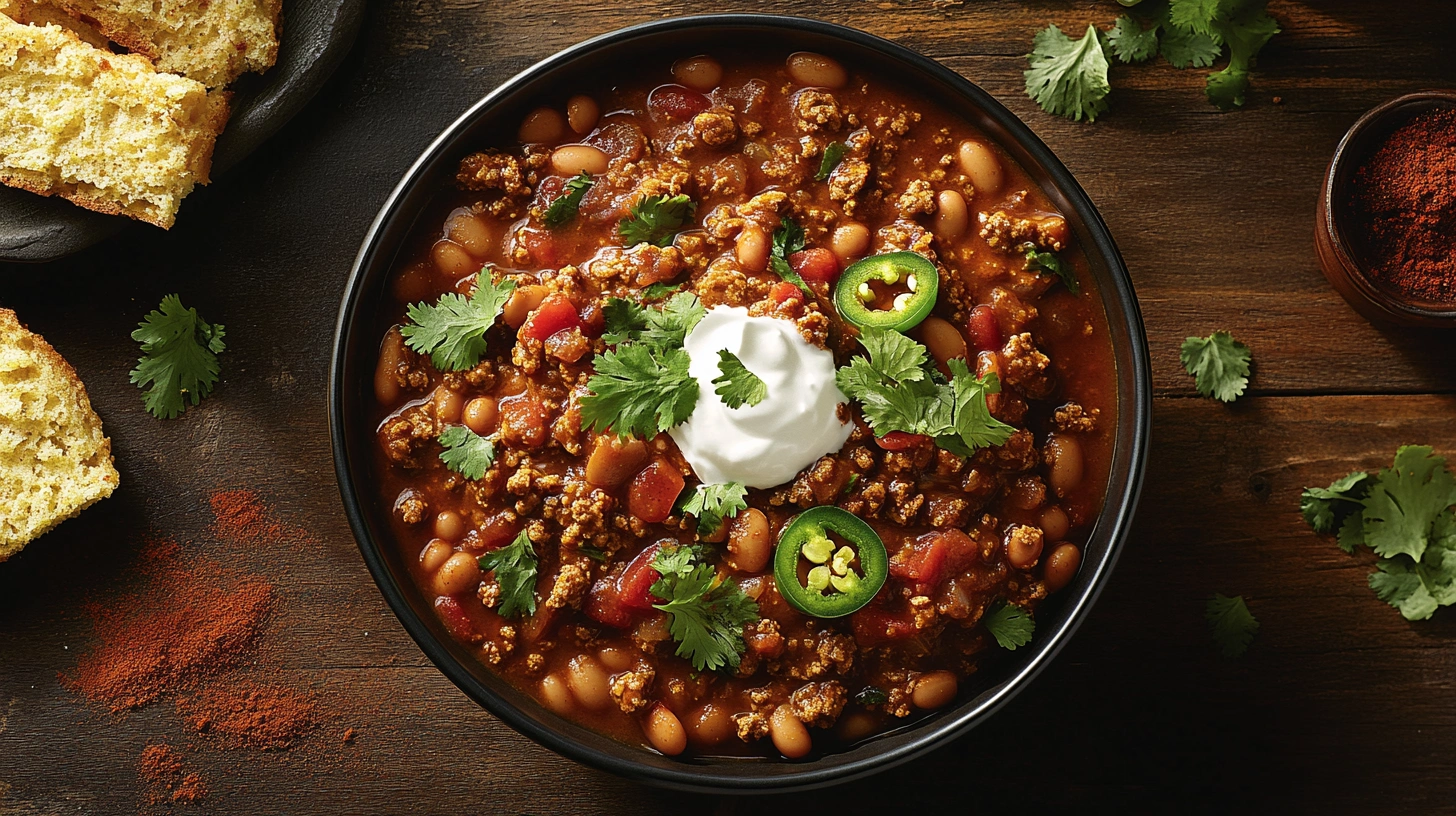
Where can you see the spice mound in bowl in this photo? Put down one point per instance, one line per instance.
(1404, 205)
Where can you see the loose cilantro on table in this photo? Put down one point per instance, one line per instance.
(706, 614)
(711, 503)
(515, 570)
(1232, 624)
(1219, 365)
(787, 239)
(1405, 515)
(1009, 624)
(898, 392)
(1049, 262)
(736, 385)
(833, 155)
(179, 364)
(656, 219)
(452, 331)
(565, 206)
(1069, 78)
(642, 387)
(466, 452)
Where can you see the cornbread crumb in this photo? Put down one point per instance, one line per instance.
(55, 460)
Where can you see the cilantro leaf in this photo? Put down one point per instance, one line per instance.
(668, 326)
(1068, 78)
(659, 290)
(179, 364)
(833, 155)
(1130, 42)
(871, 696)
(656, 219)
(1352, 532)
(1185, 49)
(1405, 501)
(1318, 504)
(706, 615)
(737, 385)
(894, 356)
(1232, 624)
(1009, 624)
(1245, 35)
(625, 320)
(565, 206)
(1195, 15)
(676, 561)
(453, 330)
(639, 391)
(1218, 363)
(787, 239)
(1049, 262)
(971, 420)
(711, 503)
(466, 452)
(515, 570)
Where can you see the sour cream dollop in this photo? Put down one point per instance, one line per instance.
(767, 444)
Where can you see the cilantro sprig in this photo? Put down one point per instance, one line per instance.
(1218, 364)
(466, 452)
(452, 331)
(514, 566)
(1009, 624)
(1050, 262)
(1404, 514)
(736, 385)
(1231, 623)
(565, 206)
(178, 366)
(711, 503)
(642, 387)
(656, 219)
(706, 614)
(897, 391)
(1069, 77)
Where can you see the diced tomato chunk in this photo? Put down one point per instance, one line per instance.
(984, 329)
(497, 531)
(457, 623)
(815, 265)
(539, 244)
(676, 102)
(877, 626)
(555, 313)
(653, 491)
(593, 321)
(900, 440)
(785, 291)
(618, 598)
(524, 420)
(933, 558)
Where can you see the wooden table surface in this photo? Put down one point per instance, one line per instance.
(1340, 705)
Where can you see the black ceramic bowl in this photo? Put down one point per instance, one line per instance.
(492, 120)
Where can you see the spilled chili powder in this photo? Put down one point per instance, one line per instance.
(165, 777)
(1404, 198)
(251, 716)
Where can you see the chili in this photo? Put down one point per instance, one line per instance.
(894, 290)
(842, 577)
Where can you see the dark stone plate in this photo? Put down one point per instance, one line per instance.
(316, 36)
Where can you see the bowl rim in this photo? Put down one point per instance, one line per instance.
(1118, 510)
(1339, 243)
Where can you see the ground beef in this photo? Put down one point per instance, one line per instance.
(1073, 418)
(1007, 233)
(630, 688)
(1026, 366)
(715, 128)
(918, 199)
(818, 705)
(817, 111)
(493, 171)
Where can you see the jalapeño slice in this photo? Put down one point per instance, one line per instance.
(842, 577)
(895, 290)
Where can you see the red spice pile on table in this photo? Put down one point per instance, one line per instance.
(165, 777)
(1405, 197)
(187, 626)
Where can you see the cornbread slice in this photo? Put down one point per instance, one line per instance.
(55, 461)
(213, 42)
(104, 130)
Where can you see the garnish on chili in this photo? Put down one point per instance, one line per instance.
(894, 290)
(842, 578)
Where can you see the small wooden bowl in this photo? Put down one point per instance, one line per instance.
(1340, 256)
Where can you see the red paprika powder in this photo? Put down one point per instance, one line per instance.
(1404, 199)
